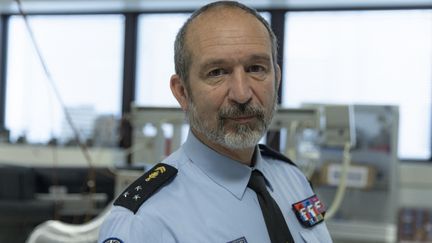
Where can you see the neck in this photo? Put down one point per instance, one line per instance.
(243, 156)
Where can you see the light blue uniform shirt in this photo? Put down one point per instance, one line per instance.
(209, 201)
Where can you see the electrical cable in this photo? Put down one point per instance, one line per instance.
(55, 162)
(91, 179)
(291, 150)
(340, 192)
(55, 181)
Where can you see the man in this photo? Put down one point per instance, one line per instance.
(220, 186)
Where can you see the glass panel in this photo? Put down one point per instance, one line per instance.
(84, 56)
(157, 33)
(365, 57)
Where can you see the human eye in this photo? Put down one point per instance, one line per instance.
(214, 73)
(256, 69)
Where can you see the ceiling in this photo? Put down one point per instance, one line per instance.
(10, 6)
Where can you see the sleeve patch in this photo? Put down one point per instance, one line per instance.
(112, 240)
(144, 187)
(309, 211)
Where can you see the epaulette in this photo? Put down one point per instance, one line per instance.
(267, 151)
(144, 187)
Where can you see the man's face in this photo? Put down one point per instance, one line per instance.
(232, 79)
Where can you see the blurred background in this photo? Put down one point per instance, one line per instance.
(85, 107)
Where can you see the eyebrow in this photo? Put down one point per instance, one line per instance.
(213, 62)
(221, 61)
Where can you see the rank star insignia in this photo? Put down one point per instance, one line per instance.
(126, 194)
(138, 188)
(136, 197)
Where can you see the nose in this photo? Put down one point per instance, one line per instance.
(240, 90)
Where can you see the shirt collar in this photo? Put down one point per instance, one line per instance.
(224, 171)
(263, 167)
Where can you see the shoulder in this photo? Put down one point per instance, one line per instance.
(122, 226)
(125, 224)
(280, 164)
(154, 181)
(145, 186)
(273, 154)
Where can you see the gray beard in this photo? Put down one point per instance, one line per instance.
(244, 135)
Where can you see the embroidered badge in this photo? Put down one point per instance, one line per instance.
(239, 240)
(112, 240)
(309, 211)
(156, 171)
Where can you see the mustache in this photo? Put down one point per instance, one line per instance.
(241, 110)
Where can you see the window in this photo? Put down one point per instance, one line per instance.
(365, 57)
(155, 60)
(84, 55)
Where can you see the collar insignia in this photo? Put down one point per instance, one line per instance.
(156, 171)
(309, 211)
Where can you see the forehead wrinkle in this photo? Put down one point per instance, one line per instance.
(212, 47)
(226, 41)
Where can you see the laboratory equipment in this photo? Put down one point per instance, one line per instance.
(367, 213)
(316, 137)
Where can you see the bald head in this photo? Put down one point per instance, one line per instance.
(213, 14)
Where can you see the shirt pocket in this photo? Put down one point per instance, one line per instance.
(308, 237)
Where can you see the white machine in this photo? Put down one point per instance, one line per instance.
(368, 211)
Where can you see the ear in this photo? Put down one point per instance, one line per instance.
(278, 76)
(179, 91)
